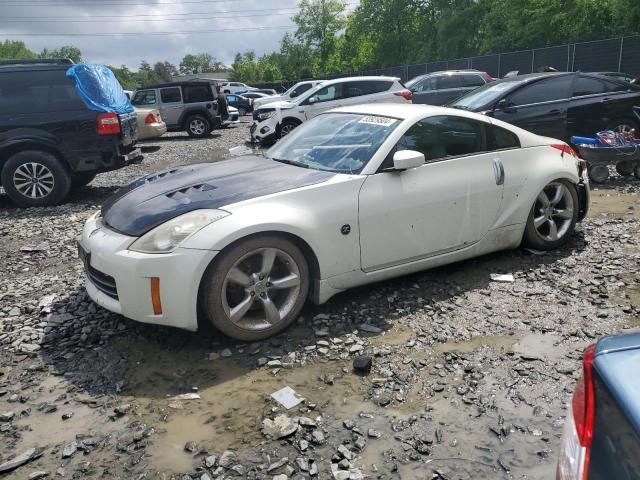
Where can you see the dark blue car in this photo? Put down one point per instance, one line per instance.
(601, 440)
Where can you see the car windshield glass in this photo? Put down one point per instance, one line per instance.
(336, 142)
(483, 96)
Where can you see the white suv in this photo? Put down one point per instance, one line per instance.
(235, 87)
(277, 119)
(294, 92)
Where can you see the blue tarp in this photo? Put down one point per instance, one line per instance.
(99, 88)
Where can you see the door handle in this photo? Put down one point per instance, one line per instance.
(498, 171)
(606, 100)
(556, 111)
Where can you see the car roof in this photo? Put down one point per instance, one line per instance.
(405, 111)
(359, 79)
(176, 84)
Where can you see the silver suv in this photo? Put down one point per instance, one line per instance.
(194, 107)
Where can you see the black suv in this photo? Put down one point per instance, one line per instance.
(193, 106)
(50, 141)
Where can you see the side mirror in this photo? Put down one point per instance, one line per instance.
(312, 100)
(406, 159)
(506, 106)
(293, 94)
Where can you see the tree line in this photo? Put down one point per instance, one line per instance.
(385, 33)
(146, 74)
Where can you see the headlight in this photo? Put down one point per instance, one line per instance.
(263, 115)
(167, 237)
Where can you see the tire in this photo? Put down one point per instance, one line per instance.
(79, 180)
(598, 173)
(287, 127)
(52, 182)
(621, 125)
(242, 111)
(538, 233)
(625, 168)
(228, 285)
(197, 126)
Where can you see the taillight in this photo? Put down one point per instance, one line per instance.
(406, 94)
(108, 124)
(584, 400)
(564, 148)
(575, 452)
(150, 118)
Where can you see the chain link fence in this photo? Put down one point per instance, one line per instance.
(612, 55)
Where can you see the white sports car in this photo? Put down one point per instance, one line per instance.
(354, 196)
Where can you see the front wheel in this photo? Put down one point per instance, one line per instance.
(35, 179)
(198, 126)
(256, 289)
(242, 111)
(287, 127)
(623, 125)
(553, 216)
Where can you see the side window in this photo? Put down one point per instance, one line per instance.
(547, 90)
(197, 93)
(144, 97)
(38, 92)
(300, 90)
(499, 138)
(471, 80)
(448, 81)
(425, 85)
(588, 86)
(170, 95)
(445, 136)
(366, 87)
(329, 93)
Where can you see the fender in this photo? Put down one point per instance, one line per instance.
(19, 139)
(209, 114)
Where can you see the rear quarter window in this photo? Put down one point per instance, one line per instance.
(499, 138)
(197, 93)
(38, 92)
(366, 87)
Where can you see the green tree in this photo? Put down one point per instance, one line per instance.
(65, 51)
(165, 70)
(318, 22)
(200, 63)
(14, 50)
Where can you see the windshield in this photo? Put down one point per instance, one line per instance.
(335, 142)
(481, 97)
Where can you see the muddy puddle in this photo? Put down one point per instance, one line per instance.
(612, 204)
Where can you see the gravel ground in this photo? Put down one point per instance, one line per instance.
(470, 378)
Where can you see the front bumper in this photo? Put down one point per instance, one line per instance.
(231, 119)
(584, 194)
(120, 280)
(263, 131)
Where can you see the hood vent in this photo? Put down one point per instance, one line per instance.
(179, 194)
(158, 176)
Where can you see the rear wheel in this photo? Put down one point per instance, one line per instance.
(257, 288)
(198, 126)
(625, 168)
(623, 125)
(598, 173)
(35, 179)
(553, 216)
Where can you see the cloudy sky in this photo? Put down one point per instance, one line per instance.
(230, 26)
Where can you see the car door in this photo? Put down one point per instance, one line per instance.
(328, 97)
(171, 105)
(449, 87)
(366, 91)
(449, 203)
(424, 91)
(539, 106)
(598, 104)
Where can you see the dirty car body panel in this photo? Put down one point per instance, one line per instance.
(337, 214)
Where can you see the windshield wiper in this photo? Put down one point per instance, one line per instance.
(290, 162)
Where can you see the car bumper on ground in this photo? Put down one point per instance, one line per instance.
(151, 130)
(232, 119)
(151, 288)
(584, 193)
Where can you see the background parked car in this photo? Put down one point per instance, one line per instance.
(50, 141)
(626, 77)
(254, 95)
(235, 87)
(440, 88)
(188, 106)
(233, 118)
(277, 119)
(266, 91)
(601, 438)
(294, 92)
(558, 105)
(244, 105)
(150, 123)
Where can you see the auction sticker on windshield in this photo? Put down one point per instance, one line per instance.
(382, 121)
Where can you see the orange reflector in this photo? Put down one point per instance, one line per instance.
(155, 296)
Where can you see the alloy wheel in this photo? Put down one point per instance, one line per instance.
(33, 180)
(553, 212)
(286, 129)
(623, 128)
(197, 126)
(261, 288)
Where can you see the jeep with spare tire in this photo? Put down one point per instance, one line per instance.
(50, 140)
(195, 107)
